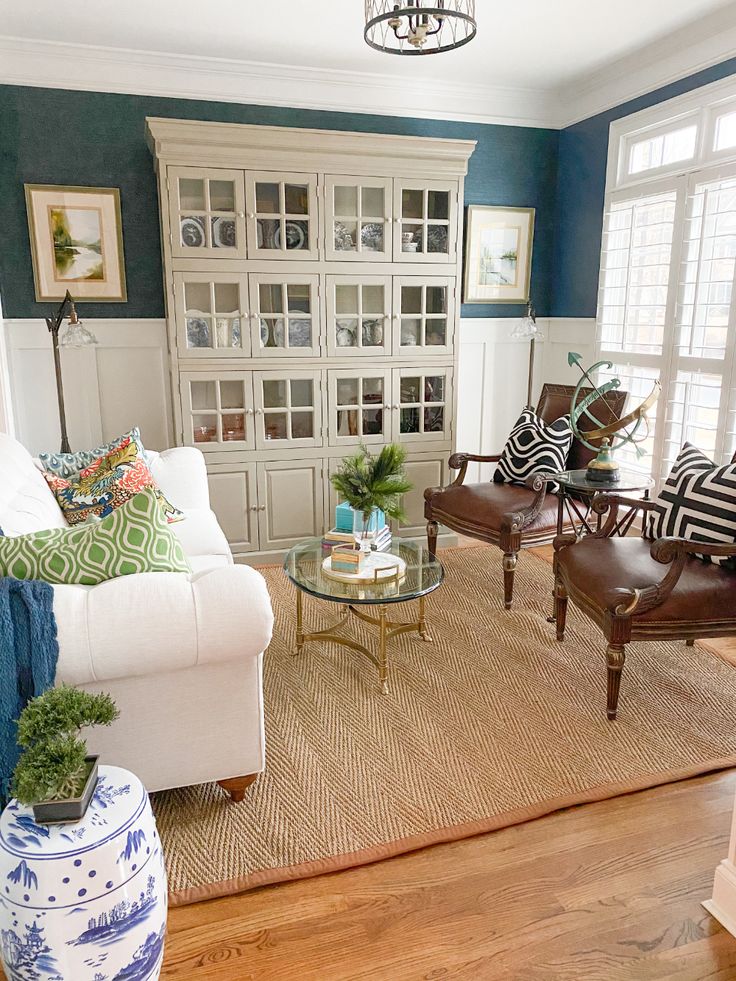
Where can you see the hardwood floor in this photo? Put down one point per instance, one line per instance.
(603, 892)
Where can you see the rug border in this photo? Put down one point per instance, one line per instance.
(401, 846)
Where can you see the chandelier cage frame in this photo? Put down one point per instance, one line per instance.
(453, 18)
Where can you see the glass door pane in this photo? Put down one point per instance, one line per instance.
(358, 219)
(424, 315)
(359, 406)
(282, 215)
(358, 315)
(218, 411)
(426, 216)
(207, 209)
(285, 321)
(422, 404)
(287, 409)
(211, 312)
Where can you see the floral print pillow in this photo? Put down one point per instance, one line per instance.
(108, 482)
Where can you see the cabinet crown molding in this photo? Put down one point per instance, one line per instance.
(182, 141)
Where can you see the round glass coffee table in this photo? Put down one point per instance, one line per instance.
(423, 574)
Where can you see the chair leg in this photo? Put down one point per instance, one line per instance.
(615, 658)
(432, 537)
(560, 608)
(509, 566)
(690, 642)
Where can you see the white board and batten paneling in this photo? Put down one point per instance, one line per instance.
(313, 297)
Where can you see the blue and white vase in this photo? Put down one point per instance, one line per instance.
(84, 901)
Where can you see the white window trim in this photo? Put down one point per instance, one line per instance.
(704, 105)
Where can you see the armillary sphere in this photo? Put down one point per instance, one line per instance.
(610, 435)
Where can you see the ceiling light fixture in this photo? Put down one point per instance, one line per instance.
(419, 27)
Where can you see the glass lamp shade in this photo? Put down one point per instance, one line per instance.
(76, 335)
(527, 328)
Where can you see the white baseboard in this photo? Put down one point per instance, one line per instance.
(722, 905)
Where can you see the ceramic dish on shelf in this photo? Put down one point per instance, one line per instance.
(296, 235)
(371, 236)
(436, 238)
(409, 246)
(223, 233)
(192, 232)
(343, 238)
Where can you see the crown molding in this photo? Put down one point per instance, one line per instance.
(51, 64)
(702, 44)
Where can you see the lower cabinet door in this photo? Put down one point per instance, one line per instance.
(290, 502)
(423, 470)
(233, 498)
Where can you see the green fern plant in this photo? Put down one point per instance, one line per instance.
(366, 481)
(53, 765)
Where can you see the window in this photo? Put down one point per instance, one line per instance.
(667, 305)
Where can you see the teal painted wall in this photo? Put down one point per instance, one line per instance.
(52, 136)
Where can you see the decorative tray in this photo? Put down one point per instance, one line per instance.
(379, 567)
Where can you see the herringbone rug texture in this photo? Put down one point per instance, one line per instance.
(491, 724)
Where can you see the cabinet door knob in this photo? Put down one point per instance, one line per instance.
(251, 215)
(262, 507)
(241, 214)
(249, 412)
(395, 405)
(254, 507)
(259, 412)
(397, 220)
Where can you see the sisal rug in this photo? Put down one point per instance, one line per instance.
(491, 724)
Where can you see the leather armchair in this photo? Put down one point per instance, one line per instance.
(638, 589)
(509, 516)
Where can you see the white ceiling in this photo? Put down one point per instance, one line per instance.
(544, 46)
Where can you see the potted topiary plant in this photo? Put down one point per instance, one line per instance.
(54, 774)
(372, 483)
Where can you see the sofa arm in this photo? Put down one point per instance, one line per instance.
(159, 621)
(182, 476)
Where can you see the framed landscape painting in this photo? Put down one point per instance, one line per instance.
(76, 242)
(498, 254)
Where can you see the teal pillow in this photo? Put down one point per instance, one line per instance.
(135, 538)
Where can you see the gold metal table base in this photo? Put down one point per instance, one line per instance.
(387, 630)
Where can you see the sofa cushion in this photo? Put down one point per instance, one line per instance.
(107, 483)
(135, 538)
(26, 502)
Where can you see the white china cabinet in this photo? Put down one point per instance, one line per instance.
(313, 294)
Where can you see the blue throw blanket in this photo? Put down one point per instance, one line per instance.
(29, 651)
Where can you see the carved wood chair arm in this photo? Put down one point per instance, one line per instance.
(610, 503)
(460, 461)
(673, 552)
(516, 521)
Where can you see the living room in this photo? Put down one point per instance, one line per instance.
(368, 491)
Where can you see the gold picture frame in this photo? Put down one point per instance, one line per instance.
(76, 238)
(498, 254)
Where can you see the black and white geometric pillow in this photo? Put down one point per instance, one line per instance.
(534, 446)
(698, 502)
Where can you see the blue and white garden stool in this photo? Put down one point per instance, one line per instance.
(84, 901)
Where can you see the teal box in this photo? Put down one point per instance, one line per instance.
(344, 519)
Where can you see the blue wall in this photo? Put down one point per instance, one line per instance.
(582, 159)
(51, 136)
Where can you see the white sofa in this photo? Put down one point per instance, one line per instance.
(182, 655)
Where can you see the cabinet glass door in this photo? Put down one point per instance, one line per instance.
(207, 209)
(285, 318)
(425, 223)
(358, 315)
(217, 411)
(282, 215)
(359, 405)
(422, 404)
(423, 315)
(211, 312)
(358, 219)
(287, 409)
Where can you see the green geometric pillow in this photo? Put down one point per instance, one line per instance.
(135, 538)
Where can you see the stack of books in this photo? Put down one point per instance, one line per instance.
(381, 542)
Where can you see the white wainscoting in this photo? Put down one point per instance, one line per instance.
(124, 381)
(492, 377)
(121, 382)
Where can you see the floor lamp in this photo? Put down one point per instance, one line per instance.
(76, 336)
(527, 329)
